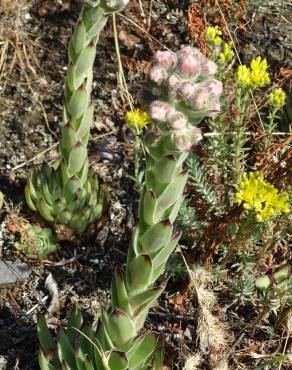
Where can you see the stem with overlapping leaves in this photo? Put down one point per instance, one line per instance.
(180, 92)
(69, 192)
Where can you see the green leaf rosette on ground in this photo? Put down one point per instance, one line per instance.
(68, 192)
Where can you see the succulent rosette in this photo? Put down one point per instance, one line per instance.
(68, 192)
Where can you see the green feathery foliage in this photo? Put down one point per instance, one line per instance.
(198, 179)
(218, 146)
(188, 218)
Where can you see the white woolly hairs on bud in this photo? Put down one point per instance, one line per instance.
(158, 74)
(165, 59)
(189, 65)
(174, 82)
(182, 139)
(190, 51)
(214, 87)
(196, 134)
(178, 121)
(200, 99)
(186, 90)
(208, 68)
(159, 110)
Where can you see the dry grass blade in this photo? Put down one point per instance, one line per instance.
(212, 334)
(17, 48)
(193, 362)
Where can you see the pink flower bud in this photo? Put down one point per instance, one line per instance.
(214, 107)
(189, 50)
(159, 110)
(196, 134)
(158, 74)
(183, 139)
(208, 68)
(174, 82)
(215, 87)
(189, 65)
(166, 59)
(178, 121)
(186, 90)
(200, 99)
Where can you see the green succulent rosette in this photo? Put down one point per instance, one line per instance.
(36, 242)
(68, 192)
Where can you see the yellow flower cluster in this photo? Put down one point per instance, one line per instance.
(254, 77)
(213, 35)
(259, 195)
(227, 53)
(137, 117)
(277, 98)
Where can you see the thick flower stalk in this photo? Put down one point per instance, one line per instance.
(180, 92)
(69, 192)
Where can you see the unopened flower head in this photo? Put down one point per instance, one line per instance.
(213, 36)
(196, 134)
(178, 121)
(166, 59)
(159, 110)
(186, 90)
(174, 82)
(226, 54)
(183, 139)
(200, 99)
(181, 90)
(260, 196)
(137, 118)
(254, 77)
(189, 50)
(189, 65)
(214, 87)
(158, 74)
(208, 68)
(277, 98)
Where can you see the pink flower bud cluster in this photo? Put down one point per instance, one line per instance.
(186, 77)
(181, 91)
(185, 134)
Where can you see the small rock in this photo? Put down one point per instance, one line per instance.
(10, 272)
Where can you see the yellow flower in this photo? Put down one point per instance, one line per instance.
(243, 76)
(255, 76)
(213, 35)
(259, 195)
(277, 98)
(137, 117)
(227, 53)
